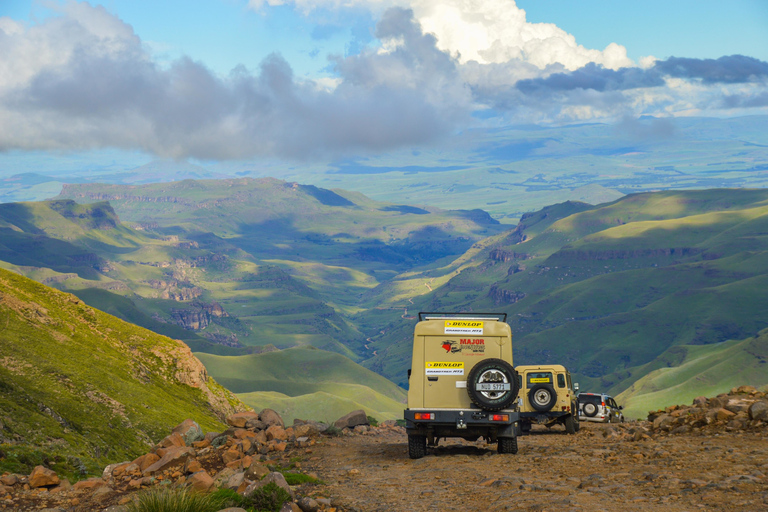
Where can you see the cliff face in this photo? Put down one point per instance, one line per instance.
(198, 316)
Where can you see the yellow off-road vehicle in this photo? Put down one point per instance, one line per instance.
(548, 397)
(462, 382)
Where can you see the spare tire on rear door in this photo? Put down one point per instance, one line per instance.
(492, 384)
(589, 409)
(542, 397)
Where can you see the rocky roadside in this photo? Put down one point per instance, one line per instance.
(256, 450)
(685, 458)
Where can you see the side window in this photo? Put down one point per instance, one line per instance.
(612, 403)
(568, 379)
(519, 381)
(560, 380)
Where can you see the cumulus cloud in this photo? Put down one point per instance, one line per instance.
(485, 31)
(83, 80)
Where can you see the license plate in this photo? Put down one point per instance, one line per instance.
(493, 386)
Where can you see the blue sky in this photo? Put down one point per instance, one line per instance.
(311, 78)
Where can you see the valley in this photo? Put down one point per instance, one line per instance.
(248, 271)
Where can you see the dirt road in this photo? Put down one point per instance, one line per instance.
(602, 467)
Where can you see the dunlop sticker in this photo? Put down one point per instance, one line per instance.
(445, 368)
(463, 327)
(539, 380)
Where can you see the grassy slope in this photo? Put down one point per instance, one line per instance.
(79, 382)
(306, 383)
(704, 370)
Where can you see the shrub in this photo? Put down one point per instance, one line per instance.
(269, 498)
(176, 499)
(373, 421)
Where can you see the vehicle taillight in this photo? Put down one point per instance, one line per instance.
(603, 404)
(424, 416)
(500, 417)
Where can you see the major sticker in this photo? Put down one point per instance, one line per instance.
(444, 368)
(465, 345)
(463, 327)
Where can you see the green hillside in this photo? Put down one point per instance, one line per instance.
(306, 383)
(86, 388)
(608, 290)
(703, 370)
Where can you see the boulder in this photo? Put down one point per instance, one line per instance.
(42, 477)
(663, 422)
(276, 432)
(700, 400)
(239, 419)
(175, 456)
(759, 411)
(255, 424)
(190, 431)
(9, 480)
(352, 419)
(724, 415)
(256, 471)
(200, 481)
(145, 461)
(171, 440)
(305, 430)
(270, 417)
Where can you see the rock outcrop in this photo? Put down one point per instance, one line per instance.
(744, 408)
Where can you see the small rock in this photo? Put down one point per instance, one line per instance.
(307, 504)
(91, 483)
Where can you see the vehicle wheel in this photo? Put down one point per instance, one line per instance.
(578, 423)
(621, 420)
(570, 424)
(417, 446)
(542, 397)
(508, 445)
(590, 410)
(492, 371)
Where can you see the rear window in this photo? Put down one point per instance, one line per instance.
(590, 399)
(534, 378)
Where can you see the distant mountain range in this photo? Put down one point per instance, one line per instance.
(505, 170)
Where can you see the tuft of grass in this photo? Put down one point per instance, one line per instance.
(177, 499)
(301, 478)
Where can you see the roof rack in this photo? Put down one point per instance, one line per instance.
(501, 317)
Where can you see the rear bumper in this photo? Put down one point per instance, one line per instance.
(543, 417)
(465, 423)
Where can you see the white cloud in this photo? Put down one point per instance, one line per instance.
(486, 31)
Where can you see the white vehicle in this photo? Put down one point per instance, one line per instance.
(599, 407)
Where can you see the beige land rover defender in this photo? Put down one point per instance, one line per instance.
(461, 382)
(548, 397)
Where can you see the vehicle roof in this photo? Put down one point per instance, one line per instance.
(555, 367)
